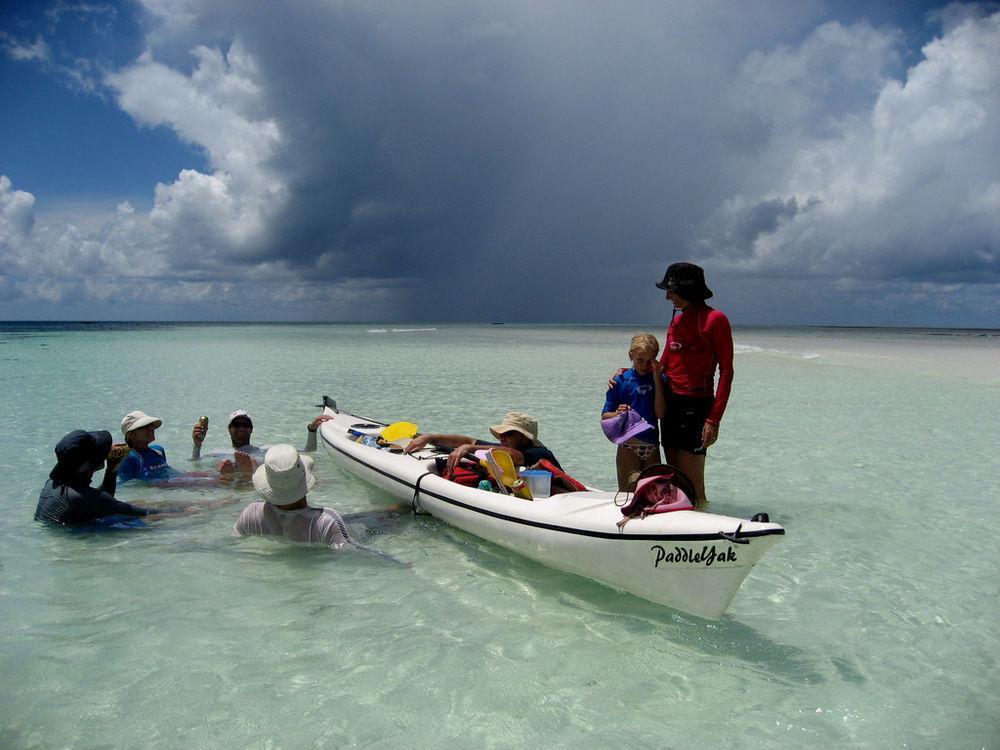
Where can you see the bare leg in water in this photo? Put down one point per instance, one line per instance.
(693, 467)
(242, 465)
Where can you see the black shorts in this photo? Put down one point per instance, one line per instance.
(685, 420)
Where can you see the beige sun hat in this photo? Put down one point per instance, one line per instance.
(136, 419)
(285, 476)
(518, 421)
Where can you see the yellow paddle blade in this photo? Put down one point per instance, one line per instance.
(502, 466)
(398, 431)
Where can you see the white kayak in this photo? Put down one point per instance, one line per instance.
(689, 560)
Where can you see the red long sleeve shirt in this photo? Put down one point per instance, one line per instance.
(700, 339)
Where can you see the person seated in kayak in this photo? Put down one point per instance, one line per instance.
(67, 499)
(240, 430)
(283, 481)
(517, 433)
(147, 461)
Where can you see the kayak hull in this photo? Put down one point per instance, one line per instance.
(688, 560)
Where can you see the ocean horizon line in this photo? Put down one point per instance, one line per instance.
(53, 323)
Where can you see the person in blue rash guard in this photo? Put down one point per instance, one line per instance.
(641, 388)
(67, 499)
(147, 461)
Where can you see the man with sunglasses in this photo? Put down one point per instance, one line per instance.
(240, 430)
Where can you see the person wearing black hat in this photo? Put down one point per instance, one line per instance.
(699, 341)
(67, 499)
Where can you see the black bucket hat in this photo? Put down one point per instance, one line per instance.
(686, 280)
(80, 452)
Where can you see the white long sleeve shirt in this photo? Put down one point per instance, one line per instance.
(304, 526)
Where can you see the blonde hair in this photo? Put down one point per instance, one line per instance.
(645, 342)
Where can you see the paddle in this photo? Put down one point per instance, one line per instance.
(398, 431)
(502, 467)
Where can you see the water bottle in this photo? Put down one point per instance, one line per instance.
(484, 485)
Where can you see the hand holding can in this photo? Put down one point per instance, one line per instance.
(199, 431)
(118, 452)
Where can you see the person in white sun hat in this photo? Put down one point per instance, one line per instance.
(146, 461)
(284, 480)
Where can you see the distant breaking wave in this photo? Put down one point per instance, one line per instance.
(747, 349)
(399, 330)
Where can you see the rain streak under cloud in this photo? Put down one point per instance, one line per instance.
(523, 161)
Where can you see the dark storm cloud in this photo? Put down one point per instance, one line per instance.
(546, 160)
(453, 139)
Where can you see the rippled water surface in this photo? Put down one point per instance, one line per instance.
(873, 623)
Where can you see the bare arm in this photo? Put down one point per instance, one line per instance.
(162, 509)
(198, 433)
(109, 483)
(615, 413)
(660, 399)
(311, 429)
(448, 441)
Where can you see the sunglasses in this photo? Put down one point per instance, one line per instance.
(240, 425)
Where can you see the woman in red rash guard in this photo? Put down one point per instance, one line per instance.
(698, 341)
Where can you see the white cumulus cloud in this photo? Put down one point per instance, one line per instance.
(209, 217)
(904, 188)
(17, 213)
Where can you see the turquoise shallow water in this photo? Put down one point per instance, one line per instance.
(874, 623)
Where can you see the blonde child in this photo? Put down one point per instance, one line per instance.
(641, 389)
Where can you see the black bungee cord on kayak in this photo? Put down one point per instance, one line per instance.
(415, 500)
